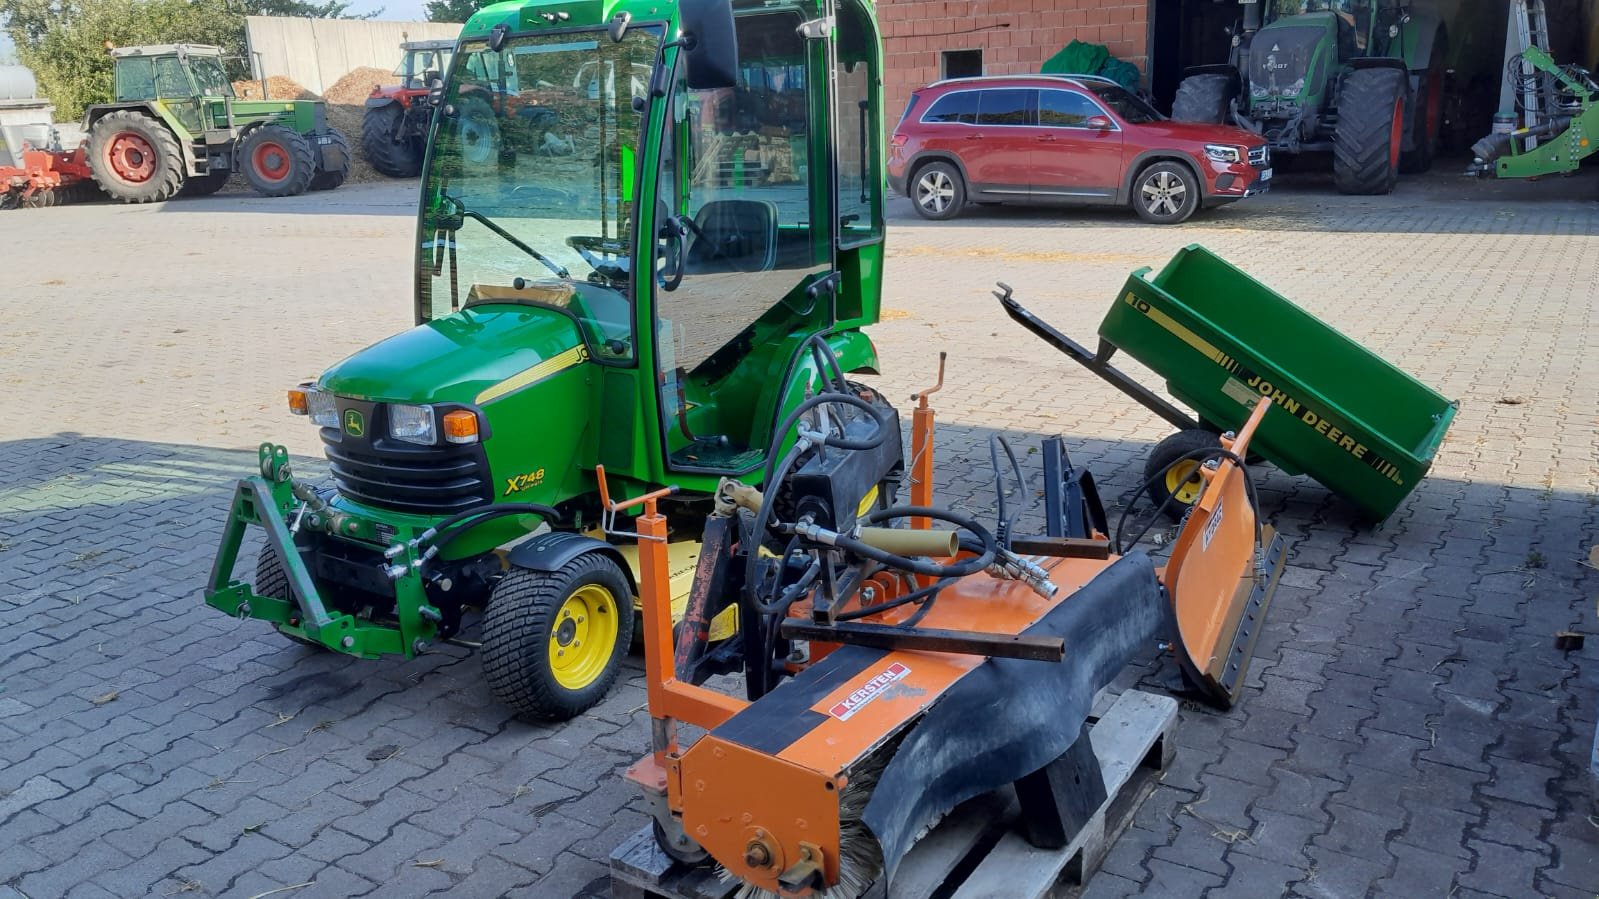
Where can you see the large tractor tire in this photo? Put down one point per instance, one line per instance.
(328, 179)
(385, 148)
(207, 184)
(553, 642)
(134, 158)
(1370, 132)
(1205, 98)
(1424, 114)
(271, 580)
(277, 162)
(478, 130)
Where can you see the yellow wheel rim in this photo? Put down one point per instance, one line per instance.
(1183, 483)
(583, 636)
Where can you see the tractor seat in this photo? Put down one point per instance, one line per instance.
(734, 236)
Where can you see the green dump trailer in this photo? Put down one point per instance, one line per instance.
(1222, 341)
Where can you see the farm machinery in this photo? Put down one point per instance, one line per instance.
(1360, 78)
(394, 128)
(175, 127)
(35, 168)
(1554, 142)
(628, 304)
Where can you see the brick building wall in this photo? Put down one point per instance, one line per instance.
(1015, 36)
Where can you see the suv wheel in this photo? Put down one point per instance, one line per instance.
(938, 191)
(1166, 193)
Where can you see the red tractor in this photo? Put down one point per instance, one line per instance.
(394, 129)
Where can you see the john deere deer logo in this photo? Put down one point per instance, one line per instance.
(354, 423)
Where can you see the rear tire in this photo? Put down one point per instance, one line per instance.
(1370, 132)
(272, 580)
(1176, 489)
(134, 158)
(328, 179)
(277, 162)
(1425, 112)
(535, 628)
(394, 158)
(938, 192)
(1205, 98)
(207, 184)
(1166, 193)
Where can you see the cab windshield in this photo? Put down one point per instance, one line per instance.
(209, 77)
(528, 197)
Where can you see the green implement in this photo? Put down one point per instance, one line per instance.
(1222, 341)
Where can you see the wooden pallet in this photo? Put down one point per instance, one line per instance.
(975, 852)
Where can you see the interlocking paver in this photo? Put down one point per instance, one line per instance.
(1408, 728)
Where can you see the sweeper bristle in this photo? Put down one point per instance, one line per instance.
(860, 859)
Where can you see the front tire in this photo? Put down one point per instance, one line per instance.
(277, 162)
(553, 641)
(938, 191)
(272, 580)
(1166, 193)
(1370, 131)
(134, 158)
(1205, 98)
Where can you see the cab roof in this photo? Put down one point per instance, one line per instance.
(167, 50)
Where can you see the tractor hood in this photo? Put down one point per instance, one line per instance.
(460, 356)
(1288, 59)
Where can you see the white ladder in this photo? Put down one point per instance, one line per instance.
(1529, 27)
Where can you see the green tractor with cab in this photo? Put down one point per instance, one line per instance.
(647, 234)
(176, 128)
(1360, 78)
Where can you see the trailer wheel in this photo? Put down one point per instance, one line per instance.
(328, 179)
(1178, 483)
(272, 580)
(1166, 193)
(553, 641)
(938, 191)
(389, 151)
(207, 184)
(277, 162)
(1370, 131)
(134, 158)
(1204, 98)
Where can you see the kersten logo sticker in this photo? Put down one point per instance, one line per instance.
(868, 691)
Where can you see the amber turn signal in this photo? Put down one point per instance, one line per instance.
(299, 402)
(460, 426)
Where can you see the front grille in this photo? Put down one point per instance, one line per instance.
(1260, 157)
(423, 480)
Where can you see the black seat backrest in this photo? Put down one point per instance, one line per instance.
(734, 236)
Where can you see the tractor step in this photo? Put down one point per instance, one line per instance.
(976, 852)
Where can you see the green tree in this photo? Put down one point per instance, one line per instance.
(452, 10)
(63, 41)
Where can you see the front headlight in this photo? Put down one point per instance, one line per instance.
(413, 424)
(1223, 153)
(323, 410)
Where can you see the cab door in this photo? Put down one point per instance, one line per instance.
(1077, 152)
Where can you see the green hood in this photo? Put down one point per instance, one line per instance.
(458, 357)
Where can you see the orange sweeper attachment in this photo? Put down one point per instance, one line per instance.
(898, 660)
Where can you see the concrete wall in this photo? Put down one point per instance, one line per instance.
(1016, 36)
(318, 52)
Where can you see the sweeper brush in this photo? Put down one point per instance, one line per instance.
(892, 669)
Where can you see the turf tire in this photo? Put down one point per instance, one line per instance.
(1205, 98)
(298, 156)
(934, 184)
(1165, 454)
(168, 175)
(394, 158)
(1366, 142)
(328, 179)
(517, 628)
(272, 580)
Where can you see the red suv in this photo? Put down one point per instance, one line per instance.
(1065, 140)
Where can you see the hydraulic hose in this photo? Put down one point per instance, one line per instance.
(454, 526)
(1202, 455)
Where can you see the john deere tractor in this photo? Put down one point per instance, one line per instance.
(394, 129)
(628, 259)
(176, 128)
(1361, 78)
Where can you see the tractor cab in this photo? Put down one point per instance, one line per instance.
(188, 80)
(424, 63)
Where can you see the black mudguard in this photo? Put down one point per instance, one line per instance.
(1009, 717)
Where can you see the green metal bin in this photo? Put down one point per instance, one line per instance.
(1352, 421)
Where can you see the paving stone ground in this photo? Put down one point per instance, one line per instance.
(1409, 729)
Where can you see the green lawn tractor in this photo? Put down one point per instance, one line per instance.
(1564, 134)
(176, 128)
(640, 276)
(1361, 78)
